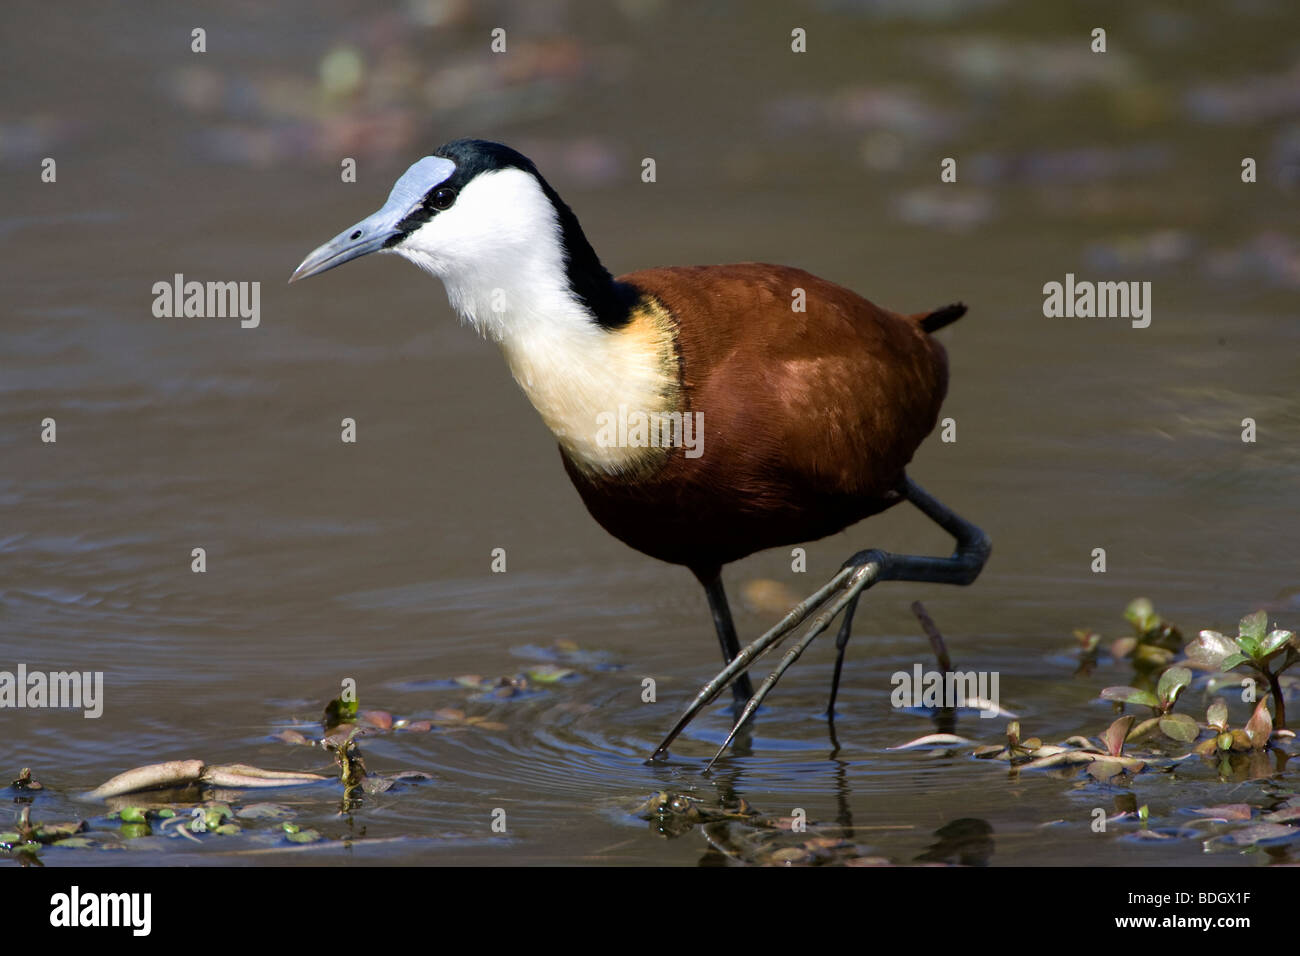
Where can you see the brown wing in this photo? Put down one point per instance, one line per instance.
(809, 417)
(835, 398)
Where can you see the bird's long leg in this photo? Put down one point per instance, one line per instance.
(742, 689)
(841, 642)
(863, 577)
(742, 660)
(858, 573)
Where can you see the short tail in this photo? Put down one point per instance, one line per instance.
(934, 321)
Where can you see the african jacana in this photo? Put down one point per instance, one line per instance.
(809, 417)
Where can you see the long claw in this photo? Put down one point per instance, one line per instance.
(863, 577)
(798, 614)
(861, 571)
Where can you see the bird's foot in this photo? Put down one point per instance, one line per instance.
(842, 591)
(859, 573)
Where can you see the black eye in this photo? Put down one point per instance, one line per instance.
(442, 197)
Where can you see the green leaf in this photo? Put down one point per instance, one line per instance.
(1232, 660)
(1171, 684)
(76, 843)
(1209, 649)
(1253, 626)
(1130, 695)
(1142, 729)
(1274, 642)
(1180, 727)
(1217, 715)
(548, 673)
(1149, 657)
(1142, 615)
(134, 815)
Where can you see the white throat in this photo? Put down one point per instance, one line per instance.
(498, 251)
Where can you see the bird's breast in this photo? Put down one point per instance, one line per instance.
(612, 397)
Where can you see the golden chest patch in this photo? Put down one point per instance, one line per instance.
(611, 397)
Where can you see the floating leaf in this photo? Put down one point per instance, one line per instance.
(1104, 770)
(1171, 685)
(293, 737)
(1261, 834)
(75, 843)
(382, 782)
(549, 673)
(380, 719)
(49, 832)
(1180, 727)
(295, 835)
(1230, 812)
(1130, 695)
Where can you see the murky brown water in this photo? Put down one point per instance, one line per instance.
(371, 561)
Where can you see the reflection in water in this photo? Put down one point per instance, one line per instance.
(968, 842)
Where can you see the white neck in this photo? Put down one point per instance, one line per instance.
(577, 375)
(499, 253)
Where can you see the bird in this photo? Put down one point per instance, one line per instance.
(703, 413)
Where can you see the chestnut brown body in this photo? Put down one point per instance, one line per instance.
(809, 417)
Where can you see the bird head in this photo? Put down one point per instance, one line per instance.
(480, 217)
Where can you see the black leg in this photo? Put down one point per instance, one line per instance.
(742, 689)
(841, 642)
(858, 573)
